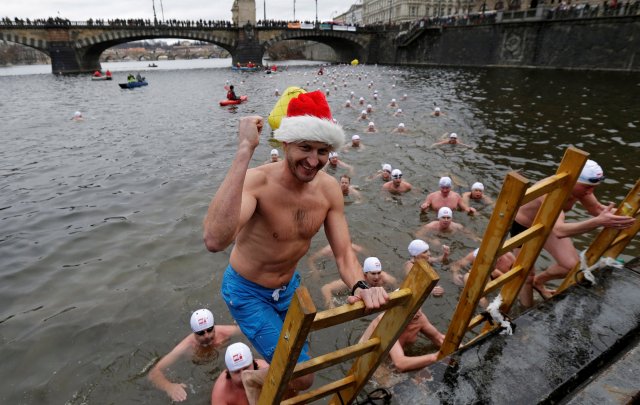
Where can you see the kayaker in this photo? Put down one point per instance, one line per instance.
(97, 74)
(139, 78)
(131, 78)
(231, 95)
(108, 74)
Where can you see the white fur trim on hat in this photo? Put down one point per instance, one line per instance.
(310, 128)
(417, 246)
(371, 264)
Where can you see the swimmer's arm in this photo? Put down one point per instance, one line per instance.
(465, 207)
(592, 205)
(406, 363)
(606, 218)
(156, 375)
(426, 204)
(329, 289)
(466, 197)
(357, 195)
(233, 204)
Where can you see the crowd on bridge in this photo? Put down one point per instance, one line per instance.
(131, 22)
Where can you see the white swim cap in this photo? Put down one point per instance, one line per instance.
(364, 112)
(361, 98)
(475, 252)
(477, 186)
(399, 110)
(387, 167)
(396, 173)
(355, 138)
(274, 152)
(348, 102)
(371, 264)
(371, 124)
(445, 182)
(393, 100)
(453, 135)
(417, 246)
(445, 212)
(437, 109)
(77, 114)
(333, 154)
(369, 106)
(201, 319)
(238, 356)
(591, 173)
(401, 125)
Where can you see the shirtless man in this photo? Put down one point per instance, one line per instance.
(444, 225)
(419, 249)
(275, 156)
(228, 388)
(373, 275)
(436, 112)
(371, 127)
(348, 191)
(418, 324)
(445, 198)
(384, 174)
(559, 243)
(397, 185)
(201, 345)
(476, 194)
(503, 265)
(356, 143)
(272, 212)
(401, 129)
(452, 140)
(335, 163)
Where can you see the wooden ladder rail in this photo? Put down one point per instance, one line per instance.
(610, 242)
(514, 194)
(302, 318)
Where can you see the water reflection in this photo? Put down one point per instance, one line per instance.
(100, 220)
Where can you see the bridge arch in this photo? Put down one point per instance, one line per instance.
(346, 46)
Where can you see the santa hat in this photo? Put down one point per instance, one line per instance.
(309, 119)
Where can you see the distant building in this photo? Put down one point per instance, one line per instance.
(353, 16)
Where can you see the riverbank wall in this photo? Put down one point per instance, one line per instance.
(611, 43)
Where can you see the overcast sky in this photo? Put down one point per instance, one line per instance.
(82, 10)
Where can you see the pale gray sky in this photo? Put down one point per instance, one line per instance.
(81, 10)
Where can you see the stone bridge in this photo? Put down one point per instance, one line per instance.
(76, 47)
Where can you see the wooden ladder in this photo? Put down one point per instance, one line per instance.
(302, 318)
(610, 242)
(514, 194)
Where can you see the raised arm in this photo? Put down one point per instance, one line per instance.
(606, 218)
(231, 207)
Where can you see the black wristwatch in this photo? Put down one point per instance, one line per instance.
(360, 284)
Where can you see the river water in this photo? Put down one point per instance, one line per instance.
(101, 255)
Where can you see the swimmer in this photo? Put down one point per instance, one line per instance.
(436, 112)
(369, 109)
(347, 104)
(393, 103)
(356, 143)
(77, 116)
(348, 191)
(419, 249)
(444, 225)
(452, 139)
(201, 345)
(384, 174)
(334, 163)
(363, 116)
(476, 194)
(275, 156)
(277, 93)
(398, 112)
(373, 275)
(397, 185)
(445, 198)
(400, 129)
(361, 101)
(404, 97)
(371, 127)
(229, 388)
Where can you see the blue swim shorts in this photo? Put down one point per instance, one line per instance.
(260, 311)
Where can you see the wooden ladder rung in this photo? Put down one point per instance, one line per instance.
(544, 187)
(502, 280)
(345, 313)
(339, 356)
(321, 392)
(520, 239)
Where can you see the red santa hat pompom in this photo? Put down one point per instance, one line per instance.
(309, 119)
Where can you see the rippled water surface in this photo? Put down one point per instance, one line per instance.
(101, 255)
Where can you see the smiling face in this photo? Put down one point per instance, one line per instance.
(306, 158)
(445, 190)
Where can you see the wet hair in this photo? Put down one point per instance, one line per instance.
(231, 87)
(345, 176)
(255, 367)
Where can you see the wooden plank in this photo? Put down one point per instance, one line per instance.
(502, 280)
(338, 356)
(545, 186)
(320, 392)
(349, 312)
(521, 238)
(506, 207)
(297, 325)
(421, 279)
